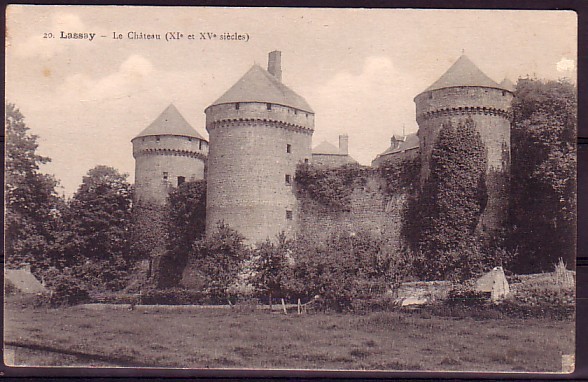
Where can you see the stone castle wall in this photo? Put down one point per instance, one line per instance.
(248, 164)
(370, 209)
(331, 160)
(175, 155)
(490, 110)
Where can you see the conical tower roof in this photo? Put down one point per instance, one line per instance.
(507, 84)
(258, 85)
(170, 122)
(463, 73)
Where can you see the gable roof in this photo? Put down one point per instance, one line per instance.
(24, 281)
(258, 85)
(170, 122)
(463, 73)
(325, 148)
(410, 141)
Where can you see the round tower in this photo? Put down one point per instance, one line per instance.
(167, 153)
(464, 90)
(259, 131)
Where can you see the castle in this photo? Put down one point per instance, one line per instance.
(260, 130)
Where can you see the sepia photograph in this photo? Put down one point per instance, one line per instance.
(342, 189)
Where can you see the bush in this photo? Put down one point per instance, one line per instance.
(67, 290)
(174, 296)
(465, 296)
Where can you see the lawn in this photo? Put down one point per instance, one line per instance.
(224, 338)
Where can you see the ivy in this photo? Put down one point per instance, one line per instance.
(448, 208)
(330, 187)
(400, 175)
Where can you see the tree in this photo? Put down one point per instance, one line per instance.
(451, 202)
(30, 198)
(220, 259)
(185, 223)
(543, 206)
(99, 218)
(270, 267)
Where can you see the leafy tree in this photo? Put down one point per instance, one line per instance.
(220, 258)
(346, 269)
(543, 206)
(451, 202)
(270, 267)
(98, 219)
(31, 202)
(185, 224)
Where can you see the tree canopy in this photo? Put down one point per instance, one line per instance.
(543, 205)
(30, 198)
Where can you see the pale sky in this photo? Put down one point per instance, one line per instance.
(358, 69)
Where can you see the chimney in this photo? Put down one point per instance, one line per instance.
(343, 144)
(274, 64)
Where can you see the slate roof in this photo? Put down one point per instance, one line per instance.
(463, 73)
(326, 148)
(258, 85)
(507, 85)
(170, 122)
(411, 141)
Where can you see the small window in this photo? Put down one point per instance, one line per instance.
(181, 180)
(289, 148)
(431, 95)
(165, 175)
(269, 106)
(295, 112)
(237, 106)
(157, 138)
(305, 160)
(200, 145)
(503, 93)
(288, 179)
(288, 215)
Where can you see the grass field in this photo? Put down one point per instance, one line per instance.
(211, 338)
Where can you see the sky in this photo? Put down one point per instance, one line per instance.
(359, 69)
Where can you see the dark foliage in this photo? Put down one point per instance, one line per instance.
(174, 296)
(32, 206)
(400, 175)
(543, 205)
(185, 224)
(271, 267)
(67, 289)
(219, 258)
(345, 270)
(95, 239)
(446, 213)
(331, 187)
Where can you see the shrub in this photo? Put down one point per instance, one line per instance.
(66, 289)
(465, 296)
(174, 296)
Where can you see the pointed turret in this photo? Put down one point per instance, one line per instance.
(463, 73)
(170, 122)
(258, 85)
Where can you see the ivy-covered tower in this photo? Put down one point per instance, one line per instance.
(465, 91)
(259, 131)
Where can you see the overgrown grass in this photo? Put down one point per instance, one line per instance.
(242, 338)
